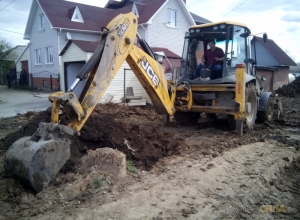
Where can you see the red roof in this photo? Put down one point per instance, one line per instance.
(167, 52)
(87, 46)
(174, 62)
(60, 12)
(146, 8)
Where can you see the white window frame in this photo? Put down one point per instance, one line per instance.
(49, 55)
(38, 60)
(41, 22)
(171, 17)
(77, 17)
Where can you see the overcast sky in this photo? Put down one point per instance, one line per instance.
(280, 19)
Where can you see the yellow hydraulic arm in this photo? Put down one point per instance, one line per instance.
(116, 46)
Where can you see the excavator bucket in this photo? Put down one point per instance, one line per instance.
(36, 160)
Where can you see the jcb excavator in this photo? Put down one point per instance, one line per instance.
(36, 160)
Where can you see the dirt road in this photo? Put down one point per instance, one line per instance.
(184, 172)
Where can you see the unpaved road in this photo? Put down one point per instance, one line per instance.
(183, 172)
(233, 185)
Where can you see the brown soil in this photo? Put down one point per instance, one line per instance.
(184, 171)
(20, 126)
(134, 131)
(290, 90)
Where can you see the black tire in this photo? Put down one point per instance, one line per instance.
(263, 116)
(251, 103)
(187, 118)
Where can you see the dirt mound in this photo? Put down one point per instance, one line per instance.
(28, 123)
(133, 131)
(290, 90)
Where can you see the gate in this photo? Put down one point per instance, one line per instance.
(45, 81)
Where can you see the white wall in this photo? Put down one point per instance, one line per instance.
(159, 35)
(116, 87)
(40, 39)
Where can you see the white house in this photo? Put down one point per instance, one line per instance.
(57, 27)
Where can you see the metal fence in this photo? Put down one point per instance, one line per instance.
(45, 81)
(42, 81)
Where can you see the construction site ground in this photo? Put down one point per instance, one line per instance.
(179, 171)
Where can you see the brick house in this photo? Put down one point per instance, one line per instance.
(272, 64)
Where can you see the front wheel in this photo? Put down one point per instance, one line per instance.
(250, 110)
(187, 118)
(250, 106)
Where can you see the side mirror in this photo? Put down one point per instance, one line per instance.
(250, 61)
(246, 34)
(265, 37)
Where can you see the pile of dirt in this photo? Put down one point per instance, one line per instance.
(22, 125)
(133, 131)
(291, 109)
(290, 90)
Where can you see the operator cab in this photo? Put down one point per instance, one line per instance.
(231, 37)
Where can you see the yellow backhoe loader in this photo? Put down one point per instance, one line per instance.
(36, 160)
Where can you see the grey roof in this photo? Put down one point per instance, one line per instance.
(199, 20)
(282, 58)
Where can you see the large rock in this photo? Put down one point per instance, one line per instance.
(107, 160)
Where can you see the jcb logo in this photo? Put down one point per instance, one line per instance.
(150, 72)
(272, 208)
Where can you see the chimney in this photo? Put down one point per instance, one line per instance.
(184, 1)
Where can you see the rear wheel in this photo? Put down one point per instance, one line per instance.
(263, 116)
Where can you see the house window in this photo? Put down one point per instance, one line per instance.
(77, 15)
(49, 55)
(38, 57)
(41, 22)
(171, 18)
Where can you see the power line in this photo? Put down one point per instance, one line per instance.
(235, 8)
(10, 31)
(7, 5)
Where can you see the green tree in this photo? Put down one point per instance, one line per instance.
(7, 58)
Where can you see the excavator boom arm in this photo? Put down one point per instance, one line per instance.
(36, 160)
(118, 45)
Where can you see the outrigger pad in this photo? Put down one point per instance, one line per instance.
(36, 163)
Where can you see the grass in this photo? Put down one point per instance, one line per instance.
(130, 167)
(98, 182)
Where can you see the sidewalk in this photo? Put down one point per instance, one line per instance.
(13, 101)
